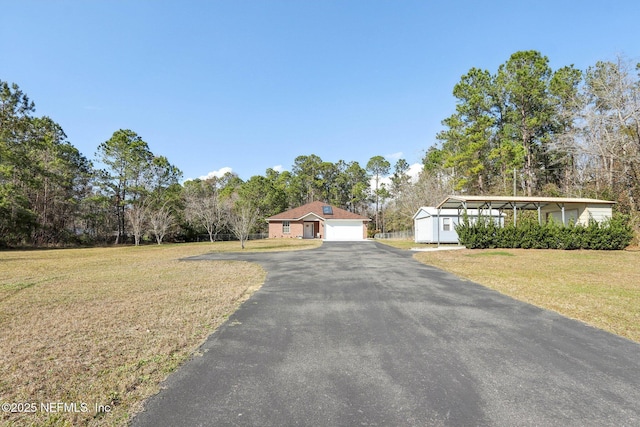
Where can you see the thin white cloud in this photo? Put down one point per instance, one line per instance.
(386, 181)
(217, 174)
(278, 168)
(414, 171)
(395, 156)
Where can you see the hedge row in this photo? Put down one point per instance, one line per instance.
(614, 234)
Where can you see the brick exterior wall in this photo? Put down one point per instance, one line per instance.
(296, 229)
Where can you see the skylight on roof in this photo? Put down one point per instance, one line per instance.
(327, 210)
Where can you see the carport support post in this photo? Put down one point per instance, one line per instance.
(491, 213)
(515, 214)
(539, 215)
(438, 225)
(466, 214)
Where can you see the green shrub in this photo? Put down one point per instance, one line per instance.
(614, 234)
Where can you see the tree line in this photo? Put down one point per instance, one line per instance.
(524, 129)
(531, 130)
(51, 194)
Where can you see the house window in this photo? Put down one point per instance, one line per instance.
(286, 227)
(446, 224)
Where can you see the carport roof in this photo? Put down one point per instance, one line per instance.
(518, 202)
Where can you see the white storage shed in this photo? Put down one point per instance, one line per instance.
(433, 225)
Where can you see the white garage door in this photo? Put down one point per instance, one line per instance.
(345, 230)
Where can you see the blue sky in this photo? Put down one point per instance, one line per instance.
(252, 84)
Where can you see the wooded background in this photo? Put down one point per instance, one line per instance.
(522, 129)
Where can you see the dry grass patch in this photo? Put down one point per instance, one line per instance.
(601, 288)
(104, 326)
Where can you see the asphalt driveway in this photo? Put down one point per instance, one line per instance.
(359, 334)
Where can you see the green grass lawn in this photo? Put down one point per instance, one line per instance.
(104, 326)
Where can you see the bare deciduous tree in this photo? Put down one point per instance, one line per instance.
(204, 208)
(137, 216)
(610, 128)
(160, 221)
(429, 189)
(243, 215)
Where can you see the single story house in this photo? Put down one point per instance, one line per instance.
(433, 225)
(318, 220)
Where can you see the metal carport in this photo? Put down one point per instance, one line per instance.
(515, 203)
